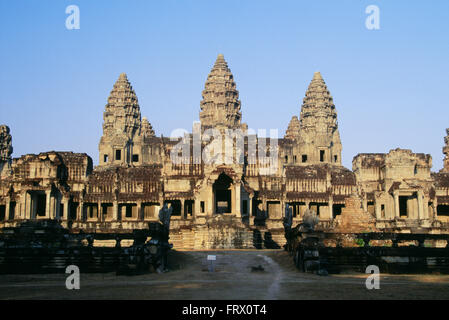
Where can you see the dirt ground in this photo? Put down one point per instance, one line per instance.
(233, 278)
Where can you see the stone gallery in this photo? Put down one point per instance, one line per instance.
(220, 203)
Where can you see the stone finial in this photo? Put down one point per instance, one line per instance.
(446, 152)
(293, 129)
(5, 143)
(122, 112)
(317, 76)
(147, 129)
(220, 105)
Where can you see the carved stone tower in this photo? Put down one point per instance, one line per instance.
(319, 139)
(446, 152)
(220, 107)
(292, 132)
(122, 122)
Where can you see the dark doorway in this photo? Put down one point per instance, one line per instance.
(73, 207)
(40, 206)
(403, 206)
(321, 155)
(298, 208)
(12, 210)
(245, 207)
(176, 205)
(443, 210)
(2, 212)
(222, 194)
(336, 209)
(188, 208)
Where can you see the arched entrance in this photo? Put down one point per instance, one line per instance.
(222, 189)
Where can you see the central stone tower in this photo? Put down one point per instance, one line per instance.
(220, 107)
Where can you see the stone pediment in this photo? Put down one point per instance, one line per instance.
(119, 140)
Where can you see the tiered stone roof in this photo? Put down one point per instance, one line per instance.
(319, 138)
(147, 129)
(220, 105)
(122, 112)
(293, 129)
(318, 112)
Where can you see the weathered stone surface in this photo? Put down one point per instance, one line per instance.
(126, 138)
(147, 129)
(396, 186)
(293, 129)
(5, 143)
(220, 106)
(353, 219)
(314, 137)
(318, 124)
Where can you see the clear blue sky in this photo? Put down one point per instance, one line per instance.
(390, 86)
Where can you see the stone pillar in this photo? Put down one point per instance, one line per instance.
(210, 205)
(182, 209)
(66, 209)
(21, 206)
(27, 205)
(114, 211)
(396, 204)
(7, 208)
(56, 208)
(281, 209)
(81, 211)
(99, 213)
(377, 209)
(237, 201)
(48, 211)
(196, 208)
(251, 218)
(140, 213)
(331, 205)
(421, 214)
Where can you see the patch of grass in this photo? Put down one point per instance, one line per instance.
(360, 242)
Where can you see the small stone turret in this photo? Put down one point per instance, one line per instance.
(220, 106)
(446, 152)
(147, 129)
(292, 132)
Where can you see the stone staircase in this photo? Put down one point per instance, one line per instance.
(225, 232)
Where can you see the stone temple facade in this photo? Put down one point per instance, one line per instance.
(238, 196)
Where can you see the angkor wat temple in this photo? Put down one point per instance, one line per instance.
(224, 200)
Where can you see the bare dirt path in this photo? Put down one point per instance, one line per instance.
(237, 276)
